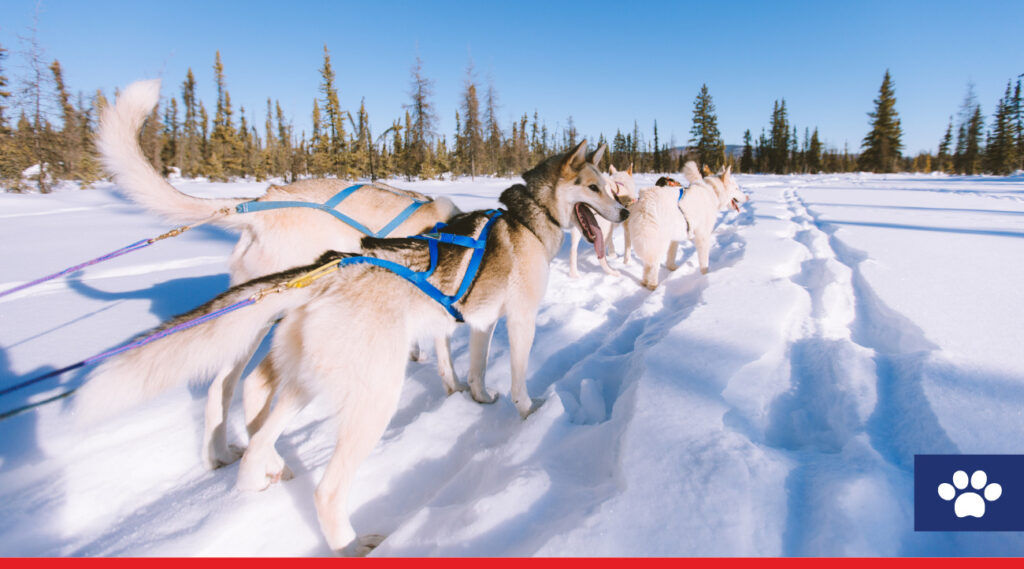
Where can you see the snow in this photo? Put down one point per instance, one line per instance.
(771, 407)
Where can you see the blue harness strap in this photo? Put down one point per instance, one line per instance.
(419, 278)
(329, 207)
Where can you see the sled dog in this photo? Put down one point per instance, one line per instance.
(622, 187)
(344, 338)
(664, 215)
(270, 241)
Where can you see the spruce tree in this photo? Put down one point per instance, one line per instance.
(814, 150)
(421, 131)
(943, 161)
(882, 145)
(40, 134)
(287, 159)
(1001, 149)
(657, 151)
(492, 144)
(334, 127)
(319, 145)
(973, 147)
(778, 143)
(67, 149)
(706, 139)
(472, 140)
(1018, 113)
(169, 151)
(4, 95)
(190, 153)
(747, 158)
(224, 141)
(361, 149)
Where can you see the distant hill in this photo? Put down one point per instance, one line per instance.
(731, 149)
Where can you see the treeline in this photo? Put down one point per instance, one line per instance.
(780, 149)
(45, 145)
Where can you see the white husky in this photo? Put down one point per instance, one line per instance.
(271, 241)
(344, 338)
(665, 215)
(622, 187)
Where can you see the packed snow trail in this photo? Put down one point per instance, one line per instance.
(771, 407)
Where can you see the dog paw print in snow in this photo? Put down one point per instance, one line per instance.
(970, 503)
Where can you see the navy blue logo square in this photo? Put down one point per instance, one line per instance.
(968, 492)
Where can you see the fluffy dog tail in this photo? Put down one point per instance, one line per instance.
(196, 353)
(117, 141)
(692, 173)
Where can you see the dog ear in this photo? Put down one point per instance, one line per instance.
(630, 171)
(574, 160)
(728, 170)
(611, 169)
(595, 156)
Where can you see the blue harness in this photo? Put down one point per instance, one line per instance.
(329, 206)
(419, 278)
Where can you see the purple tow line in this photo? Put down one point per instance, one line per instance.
(133, 247)
(109, 353)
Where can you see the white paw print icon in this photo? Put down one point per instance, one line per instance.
(970, 503)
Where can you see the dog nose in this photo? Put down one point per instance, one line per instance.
(623, 214)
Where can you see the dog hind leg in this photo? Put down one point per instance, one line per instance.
(215, 451)
(363, 419)
(703, 244)
(261, 465)
(479, 345)
(443, 347)
(257, 393)
(670, 257)
(521, 328)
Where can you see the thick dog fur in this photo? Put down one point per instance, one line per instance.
(344, 338)
(621, 186)
(661, 219)
(270, 241)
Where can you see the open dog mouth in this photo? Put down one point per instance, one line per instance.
(588, 225)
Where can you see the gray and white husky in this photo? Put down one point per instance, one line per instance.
(344, 339)
(622, 188)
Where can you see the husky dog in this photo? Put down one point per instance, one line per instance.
(725, 186)
(664, 215)
(271, 241)
(622, 187)
(344, 338)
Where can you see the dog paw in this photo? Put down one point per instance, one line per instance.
(487, 397)
(457, 388)
(524, 411)
(703, 270)
(254, 477)
(214, 459)
(362, 545)
(613, 273)
(671, 267)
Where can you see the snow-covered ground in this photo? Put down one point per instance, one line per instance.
(772, 407)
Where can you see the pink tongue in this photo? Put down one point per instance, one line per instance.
(590, 229)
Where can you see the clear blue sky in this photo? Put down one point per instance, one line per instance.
(606, 64)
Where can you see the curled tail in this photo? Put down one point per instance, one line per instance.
(196, 353)
(117, 141)
(692, 173)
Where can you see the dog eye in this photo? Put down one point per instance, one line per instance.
(595, 188)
